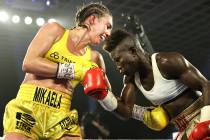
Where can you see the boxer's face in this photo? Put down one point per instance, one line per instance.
(100, 28)
(125, 57)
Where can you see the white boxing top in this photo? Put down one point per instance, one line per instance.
(163, 90)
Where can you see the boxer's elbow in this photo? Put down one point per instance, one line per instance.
(25, 66)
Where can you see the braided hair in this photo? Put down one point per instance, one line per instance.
(97, 9)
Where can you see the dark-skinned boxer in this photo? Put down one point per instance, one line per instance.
(179, 92)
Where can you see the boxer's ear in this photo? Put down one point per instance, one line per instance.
(92, 19)
(132, 49)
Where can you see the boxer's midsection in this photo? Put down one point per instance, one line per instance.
(62, 85)
(46, 96)
(180, 103)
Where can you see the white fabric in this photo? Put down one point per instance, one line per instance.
(205, 113)
(163, 89)
(109, 103)
(65, 71)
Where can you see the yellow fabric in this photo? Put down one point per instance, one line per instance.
(81, 69)
(156, 119)
(40, 112)
(60, 53)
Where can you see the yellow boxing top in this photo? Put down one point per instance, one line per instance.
(60, 53)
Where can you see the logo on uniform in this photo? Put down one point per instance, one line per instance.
(24, 122)
(69, 122)
(54, 55)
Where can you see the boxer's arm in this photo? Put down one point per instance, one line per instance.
(175, 66)
(97, 58)
(127, 99)
(41, 43)
(190, 76)
(100, 90)
(125, 103)
(153, 117)
(95, 86)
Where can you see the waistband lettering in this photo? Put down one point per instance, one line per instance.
(52, 98)
(39, 95)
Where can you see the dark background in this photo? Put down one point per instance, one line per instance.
(171, 25)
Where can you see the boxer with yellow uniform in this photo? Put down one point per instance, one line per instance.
(55, 63)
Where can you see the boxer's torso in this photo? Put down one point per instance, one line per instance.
(174, 96)
(59, 52)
